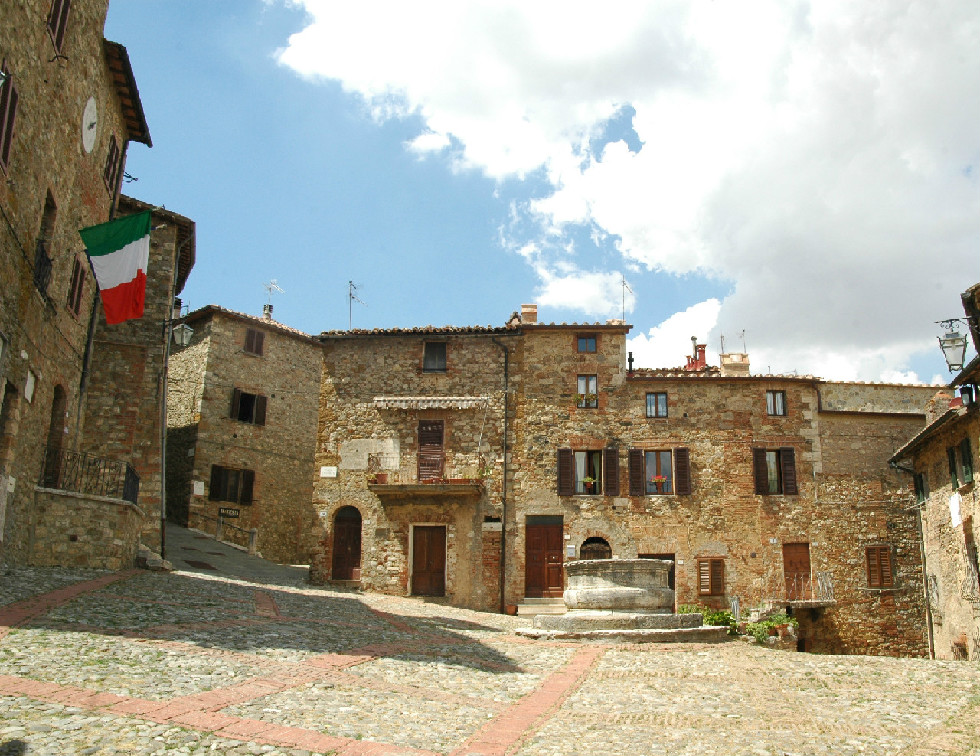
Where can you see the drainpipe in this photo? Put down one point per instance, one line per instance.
(922, 559)
(503, 486)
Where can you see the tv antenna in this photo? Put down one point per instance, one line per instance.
(351, 298)
(272, 287)
(626, 288)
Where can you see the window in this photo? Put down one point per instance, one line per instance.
(432, 453)
(42, 250)
(775, 471)
(659, 472)
(776, 403)
(112, 161)
(230, 484)
(880, 573)
(248, 408)
(586, 343)
(434, 357)
(921, 489)
(954, 479)
(657, 404)
(254, 340)
(711, 577)
(966, 460)
(587, 396)
(58, 22)
(588, 472)
(76, 288)
(8, 112)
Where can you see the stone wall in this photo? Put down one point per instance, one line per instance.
(76, 530)
(45, 340)
(280, 452)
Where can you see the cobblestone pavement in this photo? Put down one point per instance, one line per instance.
(222, 658)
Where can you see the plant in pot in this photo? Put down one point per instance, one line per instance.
(588, 485)
(659, 481)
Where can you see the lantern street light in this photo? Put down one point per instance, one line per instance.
(953, 344)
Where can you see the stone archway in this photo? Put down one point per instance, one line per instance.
(346, 544)
(595, 548)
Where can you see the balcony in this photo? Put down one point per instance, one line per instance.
(87, 474)
(805, 591)
(389, 486)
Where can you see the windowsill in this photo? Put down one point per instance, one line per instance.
(892, 589)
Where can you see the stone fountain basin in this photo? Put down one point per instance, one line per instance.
(619, 585)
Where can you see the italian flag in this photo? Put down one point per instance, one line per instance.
(119, 251)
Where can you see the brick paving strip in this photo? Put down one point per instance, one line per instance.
(513, 724)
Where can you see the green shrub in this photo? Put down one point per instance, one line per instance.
(710, 616)
(760, 630)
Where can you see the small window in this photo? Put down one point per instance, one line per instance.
(587, 343)
(954, 479)
(776, 403)
(76, 288)
(774, 471)
(58, 22)
(8, 113)
(587, 396)
(966, 460)
(42, 250)
(711, 577)
(921, 490)
(880, 573)
(254, 340)
(657, 404)
(659, 473)
(434, 357)
(248, 408)
(112, 162)
(588, 472)
(230, 484)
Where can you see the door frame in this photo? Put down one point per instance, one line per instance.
(411, 554)
(545, 521)
(355, 571)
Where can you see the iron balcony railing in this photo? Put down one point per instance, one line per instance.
(88, 474)
(817, 588)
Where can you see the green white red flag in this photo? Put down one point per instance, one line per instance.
(119, 251)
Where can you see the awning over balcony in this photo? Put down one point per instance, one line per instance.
(431, 402)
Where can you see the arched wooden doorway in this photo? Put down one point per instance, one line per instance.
(346, 544)
(595, 548)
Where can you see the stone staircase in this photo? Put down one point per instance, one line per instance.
(531, 607)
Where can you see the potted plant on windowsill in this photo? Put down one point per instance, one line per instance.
(588, 485)
(659, 481)
(586, 401)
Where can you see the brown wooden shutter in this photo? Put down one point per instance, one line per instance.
(787, 464)
(566, 472)
(246, 486)
(874, 570)
(259, 342)
(236, 402)
(636, 472)
(717, 577)
(58, 22)
(760, 472)
(610, 473)
(880, 567)
(216, 489)
(704, 577)
(260, 403)
(682, 472)
(431, 454)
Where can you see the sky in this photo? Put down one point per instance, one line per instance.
(798, 180)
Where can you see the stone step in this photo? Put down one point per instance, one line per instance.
(530, 607)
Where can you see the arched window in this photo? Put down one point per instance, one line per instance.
(595, 548)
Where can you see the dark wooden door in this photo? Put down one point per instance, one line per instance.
(429, 560)
(347, 545)
(543, 571)
(796, 570)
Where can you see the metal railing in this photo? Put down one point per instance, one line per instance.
(221, 524)
(88, 474)
(805, 587)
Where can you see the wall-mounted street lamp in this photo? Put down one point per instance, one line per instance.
(953, 344)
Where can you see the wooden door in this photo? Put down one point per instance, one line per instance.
(429, 560)
(347, 545)
(431, 452)
(796, 571)
(543, 571)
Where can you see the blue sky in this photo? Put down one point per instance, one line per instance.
(804, 173)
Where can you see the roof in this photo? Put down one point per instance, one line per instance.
(421, 331)
(210, 311)
(186, 236)
(121, 73)
(616, 326)
(917, 441)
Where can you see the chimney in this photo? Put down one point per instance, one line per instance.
(529, 313)
(267, 311)
(697, 361)
(734, 364)
(175, 312)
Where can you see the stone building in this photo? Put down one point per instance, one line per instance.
(942, 461)
(69, 109)
(772, 490)
(242, 420)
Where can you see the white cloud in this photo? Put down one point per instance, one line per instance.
(822, 156)
(669, 344)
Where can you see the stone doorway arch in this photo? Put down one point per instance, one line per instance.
(346, 544)
(595, 548)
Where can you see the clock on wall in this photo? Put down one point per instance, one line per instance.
(90, 122)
